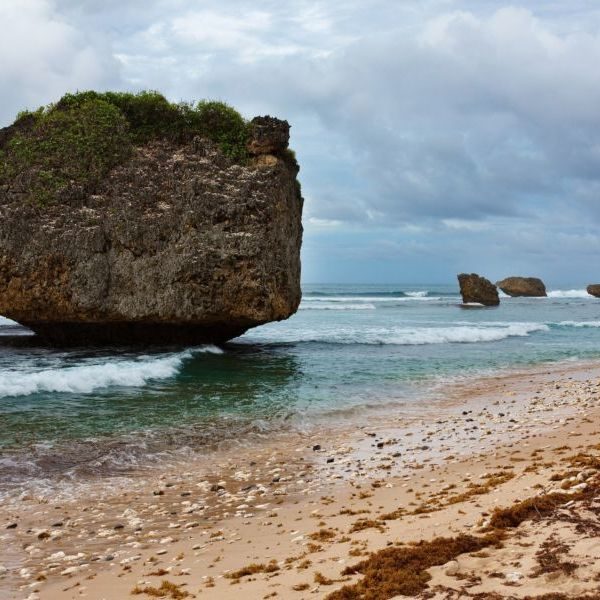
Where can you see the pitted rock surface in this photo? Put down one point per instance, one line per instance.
(479, 290)
(594, 289)
(268, 135)
(179, 244)
(523, 286)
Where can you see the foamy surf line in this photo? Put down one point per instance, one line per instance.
(337, 306)
(361, 303)
(569, 294)
(405, 336)
(88, 378)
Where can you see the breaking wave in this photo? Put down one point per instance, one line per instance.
(409, 336)
(569, 294)
(579, 324)
(337, 306)
(362, 302)
(87, 378)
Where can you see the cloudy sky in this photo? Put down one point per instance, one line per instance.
(434, 136)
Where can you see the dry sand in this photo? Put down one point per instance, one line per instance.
(285, 518)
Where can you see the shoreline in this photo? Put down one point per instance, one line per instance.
(84, 469)
(284, 483)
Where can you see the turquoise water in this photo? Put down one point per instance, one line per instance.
(348, 350)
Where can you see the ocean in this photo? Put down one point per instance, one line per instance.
(349, 352)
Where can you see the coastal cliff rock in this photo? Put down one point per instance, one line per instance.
(480, 290)
(182, 239)
(522, 286)
(594, 289)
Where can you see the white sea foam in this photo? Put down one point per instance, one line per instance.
(421, 298)
(337, 306)
(406, 336)
(369, 299)
(421, 294)
(86, 378)
(579, 323)
(446, 335)
(569, 294)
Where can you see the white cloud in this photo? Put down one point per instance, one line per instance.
(464, 225)
(45, 55)
(324, 223)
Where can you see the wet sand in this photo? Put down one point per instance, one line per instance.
(285, 517)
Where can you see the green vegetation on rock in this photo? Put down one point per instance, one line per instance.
(67, 147)
(71, 148)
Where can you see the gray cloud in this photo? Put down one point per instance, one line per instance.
(462, 120)
(44, 53)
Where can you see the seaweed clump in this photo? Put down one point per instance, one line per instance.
(166, 590)
(403, 570)
(531, 508)
(253, 569)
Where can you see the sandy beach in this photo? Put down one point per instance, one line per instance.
(294, 517)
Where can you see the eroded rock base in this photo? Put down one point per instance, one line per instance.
(128, 333)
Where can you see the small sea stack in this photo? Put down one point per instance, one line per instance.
(475, 289)
(594, 289)
(531, 287)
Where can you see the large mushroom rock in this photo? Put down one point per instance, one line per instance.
(594, 289)
(177, 243)
(476, 289)
(522, 286)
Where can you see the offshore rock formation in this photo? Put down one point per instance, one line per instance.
(476, 289)
(594, 289)
(522, 286)
(177, 244)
